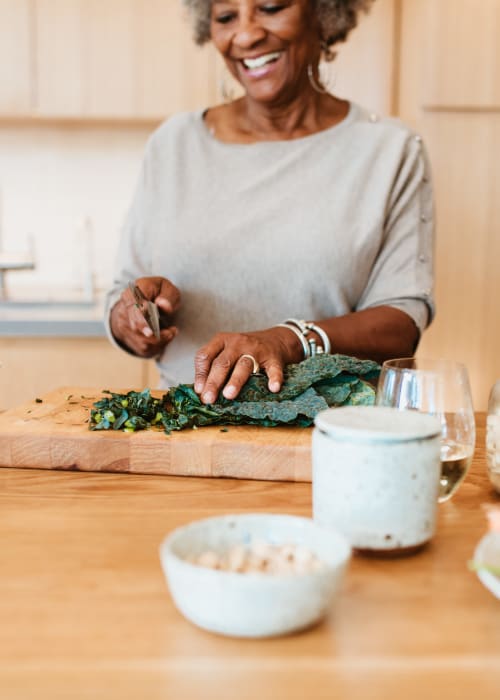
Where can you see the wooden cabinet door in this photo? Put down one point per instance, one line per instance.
(16, 87)
(450, 91)
(174, 74)
(463, 58)
(60, 57)
(365, 66)
(119, 59)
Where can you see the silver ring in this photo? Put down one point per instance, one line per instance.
(256, 366)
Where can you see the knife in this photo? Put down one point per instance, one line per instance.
(147, 308)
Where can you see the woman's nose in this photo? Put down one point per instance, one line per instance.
(248, 32)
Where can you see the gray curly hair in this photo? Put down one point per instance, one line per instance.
(336, 19)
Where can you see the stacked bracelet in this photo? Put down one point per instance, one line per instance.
(305, 345)
(302, 330)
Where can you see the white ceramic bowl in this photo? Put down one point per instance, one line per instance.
(252, 604)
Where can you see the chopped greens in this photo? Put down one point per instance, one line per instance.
(309, 387)
(479, 566)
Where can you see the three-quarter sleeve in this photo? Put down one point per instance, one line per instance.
(403, 273)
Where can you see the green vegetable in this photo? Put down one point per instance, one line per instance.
(478, 566)
(309, 387)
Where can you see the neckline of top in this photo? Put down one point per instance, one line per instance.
(206, 132)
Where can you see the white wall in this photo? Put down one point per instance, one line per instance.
(50, 178)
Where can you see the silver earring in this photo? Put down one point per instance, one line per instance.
(321, 86)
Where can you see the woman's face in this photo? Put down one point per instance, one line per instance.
(266, 44)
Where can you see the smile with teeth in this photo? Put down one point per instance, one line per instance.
(260, 61)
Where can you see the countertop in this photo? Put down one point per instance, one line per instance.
(52, 318)
(86, 612)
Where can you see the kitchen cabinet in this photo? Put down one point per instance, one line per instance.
(449, 90)
(123, 59)
(33, 366)
(88, 59)
(134, 60)
(16, 79)
(462, 62)
(364, 68)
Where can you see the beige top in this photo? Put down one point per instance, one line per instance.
(252, 234)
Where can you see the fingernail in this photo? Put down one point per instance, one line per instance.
(274, 387)
(198, 387)
(209, 397)
(163, 303)
(147, 332)
(229, 392)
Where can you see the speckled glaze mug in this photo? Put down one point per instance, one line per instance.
(376, 476)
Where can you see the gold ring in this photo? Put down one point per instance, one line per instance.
(256, 366)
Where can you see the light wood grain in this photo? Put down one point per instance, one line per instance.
(468, 245)
(109, 56)
(449, 60)
(54, 434)
(174, 74)
(121, 59)
(364, 70)
(33, 366)
(16, 86)
(86, 613)
(462, 64)
(59, 58)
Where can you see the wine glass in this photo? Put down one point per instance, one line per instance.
(441, 388)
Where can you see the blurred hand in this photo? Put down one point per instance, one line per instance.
(129, 326)
(219, 364)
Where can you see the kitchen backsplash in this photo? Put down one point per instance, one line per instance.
(69, 190)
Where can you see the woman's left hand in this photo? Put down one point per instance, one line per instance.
(221, 363)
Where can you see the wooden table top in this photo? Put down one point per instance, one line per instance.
(85, 612)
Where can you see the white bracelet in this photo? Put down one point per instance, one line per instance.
(305, 345)
(322, 334)
(306, 326)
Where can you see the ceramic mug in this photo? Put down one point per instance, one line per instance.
(376, 474)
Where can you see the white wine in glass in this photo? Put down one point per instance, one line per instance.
(441, 388)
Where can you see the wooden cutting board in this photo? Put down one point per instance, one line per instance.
(54, 434)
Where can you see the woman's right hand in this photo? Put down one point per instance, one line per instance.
(129, 326)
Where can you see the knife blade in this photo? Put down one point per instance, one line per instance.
(147, 308)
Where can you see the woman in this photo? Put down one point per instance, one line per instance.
(285, 204)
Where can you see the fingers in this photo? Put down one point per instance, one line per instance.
(149, 346)
(225, 364)
(210, 370)
(242, 371)
(160, 290)
(131, 329)
(169, 297)
(136, 320)
(164, 294)
(274, 371)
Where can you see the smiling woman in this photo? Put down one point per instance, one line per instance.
(267, 46)
(285, 204)
(336, 18)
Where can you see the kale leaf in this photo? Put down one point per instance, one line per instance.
(309, 387)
